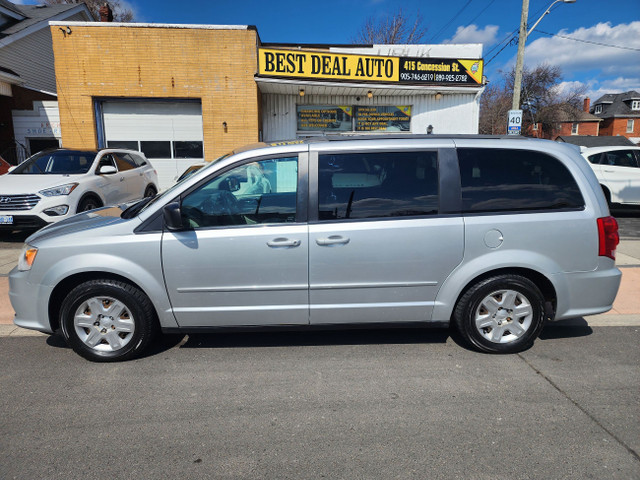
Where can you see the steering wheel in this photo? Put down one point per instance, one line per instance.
(220, 203)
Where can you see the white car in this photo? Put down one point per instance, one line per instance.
(55, 184)
(618, 171)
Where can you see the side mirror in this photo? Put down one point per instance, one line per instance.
(107, 170)
(172, 216)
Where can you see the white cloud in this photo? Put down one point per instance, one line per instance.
(471, 34)
(574, 56)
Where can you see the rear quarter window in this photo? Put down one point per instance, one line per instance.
(495, 180)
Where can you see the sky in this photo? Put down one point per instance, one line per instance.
(606, 59)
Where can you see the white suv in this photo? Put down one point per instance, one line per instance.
(618, 171)
(55, 184)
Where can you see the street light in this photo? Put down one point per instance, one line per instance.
(522, 39)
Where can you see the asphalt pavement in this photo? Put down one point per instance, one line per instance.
(374, 404)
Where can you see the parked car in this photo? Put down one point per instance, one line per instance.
(53, 185)
(618, 171)
(494, 235)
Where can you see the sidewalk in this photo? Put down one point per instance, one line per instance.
(627, 302)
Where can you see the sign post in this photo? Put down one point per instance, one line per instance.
(514, 124)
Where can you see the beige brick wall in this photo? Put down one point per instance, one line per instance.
(215, 66)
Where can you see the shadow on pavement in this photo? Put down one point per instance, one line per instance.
(15, 236)
(316, 338)
(575, 327)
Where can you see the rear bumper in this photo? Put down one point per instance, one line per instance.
(586, 293)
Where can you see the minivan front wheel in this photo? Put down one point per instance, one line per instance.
(107, 320)
(502, 314)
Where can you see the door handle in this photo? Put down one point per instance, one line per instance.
(610, 171)
(283, 243)
(332, 240)
(122, 179)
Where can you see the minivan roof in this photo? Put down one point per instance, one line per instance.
(380, 136)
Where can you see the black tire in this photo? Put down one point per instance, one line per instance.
(107, 320)
(501, 314)
(88, 203)
(150, 191)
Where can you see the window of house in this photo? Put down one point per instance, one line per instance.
(574, 128)
(630, 125)
(515, 180)
(377, 185)
(635, 105)
(598, 109)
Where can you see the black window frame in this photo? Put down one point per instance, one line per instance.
(466, 211)
(448, 194)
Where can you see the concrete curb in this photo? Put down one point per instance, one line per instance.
(603, 320)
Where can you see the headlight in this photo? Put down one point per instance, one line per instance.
(27, 257)
(61, 190)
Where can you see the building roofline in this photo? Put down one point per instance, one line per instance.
(153, 25)
(44, 23)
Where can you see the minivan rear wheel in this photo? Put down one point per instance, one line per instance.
(501, 314)
(107, 320)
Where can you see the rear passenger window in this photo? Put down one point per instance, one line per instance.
(515, 180)
(377, 185)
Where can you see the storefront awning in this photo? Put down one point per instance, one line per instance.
(283, 86)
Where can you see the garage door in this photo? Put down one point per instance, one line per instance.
(168, 132)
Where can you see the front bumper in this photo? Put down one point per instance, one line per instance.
(24, 222)
(30, 302)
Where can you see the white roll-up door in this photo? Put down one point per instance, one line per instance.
(168, 132)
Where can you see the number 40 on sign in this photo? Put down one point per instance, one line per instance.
(514, 124)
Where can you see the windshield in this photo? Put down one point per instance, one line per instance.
(57, 162)
(147, 202)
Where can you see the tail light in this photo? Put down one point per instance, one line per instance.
(608, 237)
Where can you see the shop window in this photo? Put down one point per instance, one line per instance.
(507, 180)
(188, 150)
(377, 185)
(348, 118)
(128, 144)
(156, 149)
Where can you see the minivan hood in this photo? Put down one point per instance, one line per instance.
(82, 221)
(17, 184)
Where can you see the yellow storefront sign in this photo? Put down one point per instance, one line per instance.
(297, 63)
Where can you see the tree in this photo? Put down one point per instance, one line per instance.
(543, 102)
(394, 28)
(120, 13)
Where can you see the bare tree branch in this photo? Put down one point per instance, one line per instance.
(542, 100)
(394, 28)
(120, 13)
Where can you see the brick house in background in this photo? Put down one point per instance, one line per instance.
(579, 123)
(571, 121)
(620, 114)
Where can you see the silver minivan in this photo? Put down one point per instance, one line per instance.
(492, 235)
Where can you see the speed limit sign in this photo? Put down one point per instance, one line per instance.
(514, 124)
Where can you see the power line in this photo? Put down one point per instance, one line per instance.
(590, 42)
(451, 21)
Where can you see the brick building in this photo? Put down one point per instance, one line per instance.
(620, 114)
(187, 93)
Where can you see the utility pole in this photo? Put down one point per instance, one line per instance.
(522, 39)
